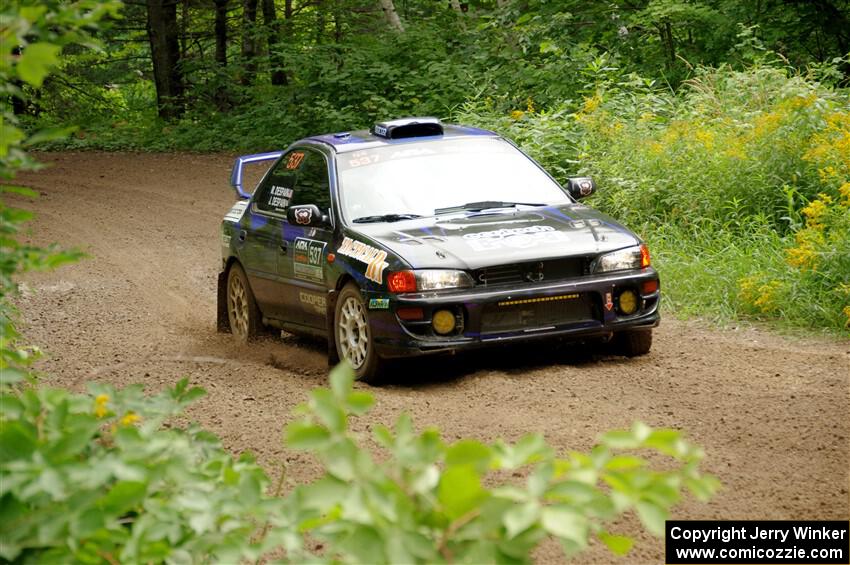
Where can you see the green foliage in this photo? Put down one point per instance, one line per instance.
(108, 476)
(738, 183)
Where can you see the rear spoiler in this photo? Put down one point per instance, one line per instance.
(236, 175)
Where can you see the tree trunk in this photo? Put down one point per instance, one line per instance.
(249, 40)
(392, 16)
(273, 31)
(163, 35)
(221, 32)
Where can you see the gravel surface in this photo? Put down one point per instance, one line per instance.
(772, 412)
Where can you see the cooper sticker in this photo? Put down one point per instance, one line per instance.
(307, 259)
(373, 257)
(303, 216)
(236, 212)
(379, 303)
(515, 238)
(315, 302)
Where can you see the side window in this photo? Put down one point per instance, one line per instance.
(300, 177)
(275, 193)
(312, 186)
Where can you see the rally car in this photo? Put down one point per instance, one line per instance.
(417, 237)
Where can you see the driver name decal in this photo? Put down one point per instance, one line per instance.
(374, 258)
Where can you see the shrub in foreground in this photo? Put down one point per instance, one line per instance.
(108, 477)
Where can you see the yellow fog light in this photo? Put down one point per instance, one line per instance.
(628, 302)
(443, 322)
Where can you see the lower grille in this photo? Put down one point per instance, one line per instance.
(520, 273)
(533, 313)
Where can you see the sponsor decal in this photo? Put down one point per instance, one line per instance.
(585, 187)
(379, 303)
(579, 224)
(380, 130)
(303, 216)
(515, 238)
(315, 302)
(307, 259)
(236, 212)
(373, 258)
(609, 301)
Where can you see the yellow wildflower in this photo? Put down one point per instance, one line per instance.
(844, 191)
(529, 105)
(815, 211)
(517, 114)
(827, 173)
(100, 409)
(591, 104)
(130, 418)
(847, 313)
(766, 301)
(705, 137)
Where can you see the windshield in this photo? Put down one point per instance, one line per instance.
(417, 179)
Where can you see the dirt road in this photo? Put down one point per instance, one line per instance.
(772, 413)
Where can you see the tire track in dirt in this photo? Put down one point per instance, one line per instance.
(772, 412)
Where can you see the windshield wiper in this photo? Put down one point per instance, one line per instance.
(484, 205)
(386, 218)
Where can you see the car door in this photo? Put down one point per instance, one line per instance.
(303, 266)
(261, 234)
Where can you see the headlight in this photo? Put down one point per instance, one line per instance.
(427, 279)
(636, 257)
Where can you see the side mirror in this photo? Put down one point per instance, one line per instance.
(306, 215)
(579, 187)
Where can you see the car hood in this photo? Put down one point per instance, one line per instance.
(475, 240)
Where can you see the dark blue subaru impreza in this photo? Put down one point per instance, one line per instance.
(418, 237)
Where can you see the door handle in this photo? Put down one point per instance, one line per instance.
(242, 235)
(284, 247)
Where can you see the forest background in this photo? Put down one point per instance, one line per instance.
(718, 129)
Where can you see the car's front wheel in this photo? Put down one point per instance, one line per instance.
(353, 337)
(243, 314)
(633, 343)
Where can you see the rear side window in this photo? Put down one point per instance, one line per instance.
(300, 177)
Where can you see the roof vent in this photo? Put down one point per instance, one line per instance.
(408, 127)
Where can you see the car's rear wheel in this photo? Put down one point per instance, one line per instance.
(353, 336)
(633, 343)
(242, 311)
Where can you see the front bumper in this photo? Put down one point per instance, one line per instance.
(596, 313)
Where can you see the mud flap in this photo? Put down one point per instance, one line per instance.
(333, 357)
(222, 323)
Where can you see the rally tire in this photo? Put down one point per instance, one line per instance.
(243, 314)
(353, 336)
(633, 343)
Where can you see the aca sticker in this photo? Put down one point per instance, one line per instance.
(374, 258)
(379, 304)
(307, 259)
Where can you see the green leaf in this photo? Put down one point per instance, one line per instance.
(520, 518)
(564, 522)
(460, 490)
(18, 440)
(326, 406)
(35, 62)
(652, 517)
(359, 402)
(10, 376)
(620, 439)
(342, 378)
(471, 452)
(619, 545)
(306, 436)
